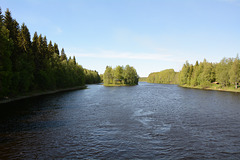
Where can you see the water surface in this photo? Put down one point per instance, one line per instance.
(148, 121)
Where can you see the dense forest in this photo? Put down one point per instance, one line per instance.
(120, 76)
(225, 74)
(36, 65)
(168, 76)
(142, 79)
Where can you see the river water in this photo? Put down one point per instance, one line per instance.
(148, 121)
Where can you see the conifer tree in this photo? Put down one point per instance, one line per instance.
(50, 49)
(63, 55)
(74, 59)
(56, 50)
(13, 27)
(45, 48)
(5, 61)
(24, 39)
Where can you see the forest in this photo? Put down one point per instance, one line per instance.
(168, 76)
(120, 76)
(225, 74)
(35, 65)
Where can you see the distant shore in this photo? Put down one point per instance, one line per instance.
(35, 94)
(118, 85)
(212, 88)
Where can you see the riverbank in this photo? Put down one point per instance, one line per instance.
(39, 93)
(213, 88)
(118, 85)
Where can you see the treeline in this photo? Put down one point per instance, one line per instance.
(27, 65)
(91, 77)
(226, 73)
(142, 79)
(120, 75)
(205, 74)
(168, 76)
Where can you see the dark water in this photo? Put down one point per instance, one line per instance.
(148, 121)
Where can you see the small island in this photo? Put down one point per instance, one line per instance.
(120, 76)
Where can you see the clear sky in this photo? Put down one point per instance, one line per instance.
(151, 35)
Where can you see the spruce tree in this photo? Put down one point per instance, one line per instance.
(56, 50)
(63, 55)
(5, 61)
(50, 49)
(13, 27)
(24, 39)
(74, 59)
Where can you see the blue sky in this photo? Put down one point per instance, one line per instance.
(151, 35)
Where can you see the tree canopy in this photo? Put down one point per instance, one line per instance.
(226, 73)
(120, 75)
(168, 76)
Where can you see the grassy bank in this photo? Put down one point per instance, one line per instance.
(38, 93)
(214, 88)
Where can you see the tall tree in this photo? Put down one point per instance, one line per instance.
(50, 49)
(108, 75)
(56, 50)
(234, 72)
(74, 60)
(184, 74)
(5, 60)
(63, 55)
(13, 27)
(118, 73)
(24, 39)
(222, 71)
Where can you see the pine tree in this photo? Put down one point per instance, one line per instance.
(63, 55)
(5, 61)
(50, 49)
(74, 59)
(56, 50)
(45, 48)
(184, 74)
(13, 27)
(24, 39)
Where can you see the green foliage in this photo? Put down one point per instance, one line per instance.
(142, 79)
(168, 76)
(222, 71)
(5, 61)
(226, 73)
(27, 65)
(91, 77)
(120, 75)
(234, 72)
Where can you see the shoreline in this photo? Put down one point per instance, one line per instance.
(117, 85)
(29, 95)
(212, 89)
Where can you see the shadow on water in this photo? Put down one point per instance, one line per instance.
(30, 114)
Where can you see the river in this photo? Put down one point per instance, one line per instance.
(148, 121)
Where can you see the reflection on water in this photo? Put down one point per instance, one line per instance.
(148, 121)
